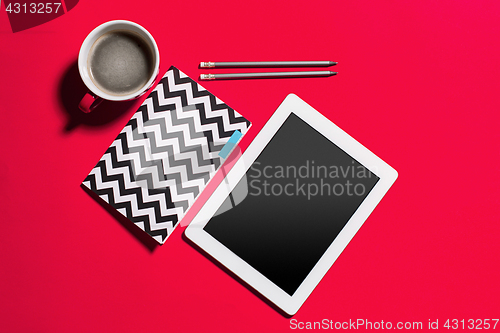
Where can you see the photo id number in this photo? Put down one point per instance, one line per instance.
(33, 8)
(471, 324)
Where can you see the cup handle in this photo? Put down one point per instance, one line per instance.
(89, 102)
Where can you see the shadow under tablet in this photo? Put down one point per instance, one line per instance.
(302, 190)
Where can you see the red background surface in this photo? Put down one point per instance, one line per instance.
(418, 85)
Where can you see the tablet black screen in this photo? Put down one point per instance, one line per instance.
(302, 190)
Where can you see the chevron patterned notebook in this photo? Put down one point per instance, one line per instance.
(166, 154)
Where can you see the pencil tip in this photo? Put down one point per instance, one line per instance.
(334, 63)
(334, 73)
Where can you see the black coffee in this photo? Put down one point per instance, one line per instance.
(120, 62)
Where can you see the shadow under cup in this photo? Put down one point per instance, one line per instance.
(118, 61)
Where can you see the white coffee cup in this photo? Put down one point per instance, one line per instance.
(89, 73)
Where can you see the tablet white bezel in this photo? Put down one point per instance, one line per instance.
(195, 232)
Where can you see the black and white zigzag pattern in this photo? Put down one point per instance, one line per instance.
(166, 154)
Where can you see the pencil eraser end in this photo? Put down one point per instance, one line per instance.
(207, 77)
(206, 64)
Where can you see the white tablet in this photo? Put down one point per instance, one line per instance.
(297, 196)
